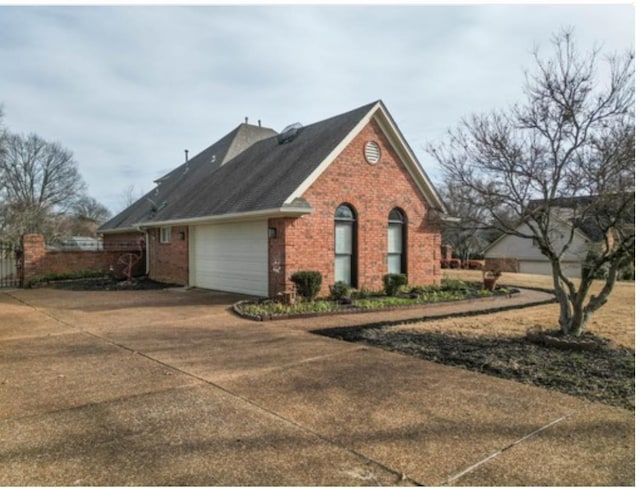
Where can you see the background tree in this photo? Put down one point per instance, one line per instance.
(469, 236)
(129, 196)
(88, 208)
(3, 136)
(40, 180)
(570, 144)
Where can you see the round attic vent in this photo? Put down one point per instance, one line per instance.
(372, 152)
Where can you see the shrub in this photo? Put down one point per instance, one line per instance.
(453, 285)
(444, 264)
(393, 282)
(363, 293)
(339, 290)
(307, 283)
(70, 275)
(454, 264)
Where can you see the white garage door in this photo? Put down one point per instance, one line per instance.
(570, 269)
(231, 257)
(535, 267)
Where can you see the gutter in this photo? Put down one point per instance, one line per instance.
(287, 211)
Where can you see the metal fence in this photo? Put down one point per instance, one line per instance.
(94, 245)
(10, 265)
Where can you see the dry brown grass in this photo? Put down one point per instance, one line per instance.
(615, 320)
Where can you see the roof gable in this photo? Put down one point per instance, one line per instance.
(378, 112)
(260, 176)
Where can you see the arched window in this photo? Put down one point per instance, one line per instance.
(397, 242)
(345, 245)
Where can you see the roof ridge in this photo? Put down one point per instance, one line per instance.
(366, 106)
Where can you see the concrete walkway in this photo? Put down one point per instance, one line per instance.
(169, 387)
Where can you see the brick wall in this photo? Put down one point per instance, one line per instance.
(373, 191)
(39, 261)
(277, 256)
(169, 262)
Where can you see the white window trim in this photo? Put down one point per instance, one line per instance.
(165, 235)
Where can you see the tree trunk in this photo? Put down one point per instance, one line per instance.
(574, 312)
(565, 320)
(577, 323)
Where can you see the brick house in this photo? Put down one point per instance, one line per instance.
(345, 196)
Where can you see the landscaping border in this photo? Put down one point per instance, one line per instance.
(332, 331)
(237, 308)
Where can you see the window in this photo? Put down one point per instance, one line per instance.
(396, 242)
(165, 235)
(345, 245)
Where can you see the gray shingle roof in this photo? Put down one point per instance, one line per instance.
(260, 177)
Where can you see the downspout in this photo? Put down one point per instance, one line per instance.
(146, 251)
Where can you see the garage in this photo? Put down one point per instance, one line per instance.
(230, 257)
(570, 269)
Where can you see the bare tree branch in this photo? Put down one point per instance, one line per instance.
(567, 153)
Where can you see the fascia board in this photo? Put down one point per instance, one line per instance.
(120, 230)
(304, 186)
(408, 158)
(237, 217)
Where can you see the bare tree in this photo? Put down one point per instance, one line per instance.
(88, 208)
(566, 153)
(39, 180)
(130, 195)
(472, 231)
(3, 135)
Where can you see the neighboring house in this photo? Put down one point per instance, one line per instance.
(345, 196)
(79, 243)
(514, 253)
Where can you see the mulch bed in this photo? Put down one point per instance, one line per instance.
(602, 373)
(107, 284)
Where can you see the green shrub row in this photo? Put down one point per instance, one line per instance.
(71, 275)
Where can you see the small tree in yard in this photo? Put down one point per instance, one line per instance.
(566, 153)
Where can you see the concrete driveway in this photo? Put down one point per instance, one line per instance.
(170, 388)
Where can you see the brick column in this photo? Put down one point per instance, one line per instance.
(277, 257)
(33, 253)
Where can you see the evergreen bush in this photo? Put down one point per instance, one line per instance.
(307, 283)
(393, 282)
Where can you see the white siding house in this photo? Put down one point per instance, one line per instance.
(528, 256)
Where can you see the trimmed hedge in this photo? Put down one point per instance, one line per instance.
(393, 282)
(307, 283)
(339, 290)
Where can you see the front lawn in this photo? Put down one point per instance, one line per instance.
(604, 374)
(496, 344)
(363, 300)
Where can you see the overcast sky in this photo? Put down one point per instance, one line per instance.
(127, 89)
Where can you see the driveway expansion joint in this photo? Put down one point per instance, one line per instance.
(499, 452)
(399, 475)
